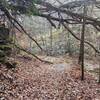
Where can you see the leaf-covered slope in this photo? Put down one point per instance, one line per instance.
(34, 80)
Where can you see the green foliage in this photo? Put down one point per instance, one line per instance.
(5, 46)
(32, 10)
(28, 8)
(36, 1)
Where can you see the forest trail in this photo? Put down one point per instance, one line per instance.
(49, 81)
(29, 67)
(61, 63)
(33, 67)
(67, 63)
(34, 80)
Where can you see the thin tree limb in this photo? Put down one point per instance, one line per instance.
(30, 53)
(72, 33)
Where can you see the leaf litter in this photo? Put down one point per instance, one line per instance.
(34, 80)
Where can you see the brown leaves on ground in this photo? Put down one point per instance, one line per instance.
(33, 80)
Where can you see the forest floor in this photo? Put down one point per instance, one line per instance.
(35, 80)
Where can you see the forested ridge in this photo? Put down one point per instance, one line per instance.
(49, 50)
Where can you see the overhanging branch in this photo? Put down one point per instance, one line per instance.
(9, 16)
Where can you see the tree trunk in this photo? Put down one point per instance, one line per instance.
(81, 56)
(99, 72)
(51, 40)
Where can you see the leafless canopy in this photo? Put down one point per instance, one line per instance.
(64, 13)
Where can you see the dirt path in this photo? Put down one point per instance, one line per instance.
(61, 63)
(49, 82)
(39, 81)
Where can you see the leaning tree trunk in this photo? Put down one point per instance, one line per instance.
(5, 46)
